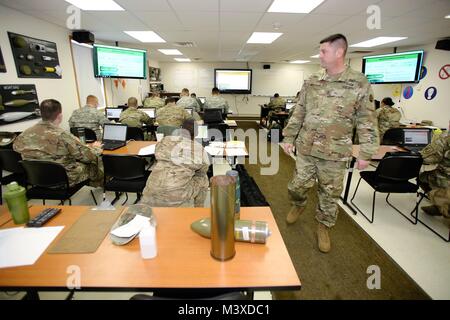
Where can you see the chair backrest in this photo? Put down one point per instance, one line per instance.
(134, 133)
(212, 116)
(399, 167)
(45, 173)
(167, 130)
(218, 130)
(393, 137)
(9, 161)
(89, 134)
(124, 167)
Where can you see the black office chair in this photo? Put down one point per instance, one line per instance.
(391, 176)
(49, 181)
(212, 116)
(218, 132)
(124, 173)
(134, 133)
(89, 134)
(393, 137)
(193, 294)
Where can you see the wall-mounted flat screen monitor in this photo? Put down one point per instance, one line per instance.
(233, 80)
(117, 62)
(403, 67)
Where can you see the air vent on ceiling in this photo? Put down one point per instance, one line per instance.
(185, 44)
(361, 51)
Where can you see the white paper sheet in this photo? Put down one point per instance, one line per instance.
(147, 150)
(131, 228)
(23, 246)
(235, 152)
(214, 151)
(236, 144)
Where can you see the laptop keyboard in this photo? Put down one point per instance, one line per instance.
(110, 145)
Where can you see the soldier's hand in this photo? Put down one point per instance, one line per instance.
(288, 148)
(362, 164)
(97, 144)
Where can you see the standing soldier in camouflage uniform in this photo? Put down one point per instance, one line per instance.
(154, 101)
(388, 117)
(216, 101)
(46, 141)
(437, 181)
(172, 115)
(89, 117)
(194, 96)
(187, 102)
(332, 102)
(133, 117)
(179, 177)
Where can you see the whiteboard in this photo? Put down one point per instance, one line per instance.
(286, 82)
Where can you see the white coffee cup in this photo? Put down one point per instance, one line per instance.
(159, 136)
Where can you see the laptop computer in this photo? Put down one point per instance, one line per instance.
(189, 110)
(151, 112)
(114, 136)
(290, 105)
(113, 113)
(415, 140)
(202, 99)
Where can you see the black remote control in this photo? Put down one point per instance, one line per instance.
(43, 217)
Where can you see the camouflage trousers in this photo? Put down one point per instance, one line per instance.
(438, 189)
(93, 172)
(432, 179)
(329, 175)
(440, 197)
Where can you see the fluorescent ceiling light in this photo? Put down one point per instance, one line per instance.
(300, 61)
(263, 37)
(96, 5)
(183, 59)
(294, 6)
(377, 41)
(447, 16)
(145, 36)
(315, 56)
(170, 52)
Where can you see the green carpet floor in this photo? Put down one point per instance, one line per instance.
(342, 273)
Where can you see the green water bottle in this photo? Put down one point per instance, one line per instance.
(16, 200)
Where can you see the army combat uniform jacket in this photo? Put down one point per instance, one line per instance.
(154, 102)
(179, 176)
(214, 102)
(173, 116)
(327, 110)
(133, 117)
(188, 102)
(388, 117)
(88, 117)
(45, 141)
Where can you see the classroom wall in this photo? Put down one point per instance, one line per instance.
(417, 108)
(64, 89)
(199, 78)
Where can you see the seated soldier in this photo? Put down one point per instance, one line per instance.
(188, 102)
(275, 105)
(133, 117)
(388, 116)
(89, 117)
(216, 101)
(437, 182)
(47, 141)
(179, 177)
(172, 114)
(154, 101)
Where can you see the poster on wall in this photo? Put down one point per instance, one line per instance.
(19, 102)
(2, 62)
(35, 58)
(155, 74)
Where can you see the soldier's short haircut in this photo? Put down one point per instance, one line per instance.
(193, 95)
(50, 109)
(276, 95)
(185, 90)
(132, 102)
(189, 126)
(171, 100)
(338, 39)
(215, 90)
(90, 98)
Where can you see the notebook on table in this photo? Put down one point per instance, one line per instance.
(114, 136)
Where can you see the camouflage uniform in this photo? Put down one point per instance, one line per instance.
(388, 117)
(88, 117)
(437, 180)
(172, 116)
(45, 141)
(188, 102)
(276, 105)
(216, 102)
(134, 117)
(179, 177)
(321, 128)
(154, 102)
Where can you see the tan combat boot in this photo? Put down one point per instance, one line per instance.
(323, 239)
(293, 214)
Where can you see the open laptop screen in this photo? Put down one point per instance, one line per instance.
(202, 99)
(189, 110)
(290, 105)
(113, 113)
(114, 132)
(415, 137)
(151, 112)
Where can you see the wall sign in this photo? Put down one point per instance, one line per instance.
(34, 58)
(423, 72)
(444, 72)
(19, 102)
(430, 93)
(408, 92)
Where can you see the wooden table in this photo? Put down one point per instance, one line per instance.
(132, 148)
(183, 259)
(5, 216)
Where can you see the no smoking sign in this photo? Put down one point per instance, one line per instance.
(444, 72)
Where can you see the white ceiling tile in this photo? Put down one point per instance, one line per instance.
(245, 6)
(233, 21)
(194, 5)
(347, 7)
(400, 7)
(147, 5)
(119, 20)
(160, 21)
(198, 21)
(283, 21)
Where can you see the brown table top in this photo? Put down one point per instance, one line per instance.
(132, 148)
(5, 216)
(183, 259)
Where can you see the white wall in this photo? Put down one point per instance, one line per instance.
(417, 108)
(199, 78)
(63, 90)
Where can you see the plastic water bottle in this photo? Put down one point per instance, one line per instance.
(16, 200)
